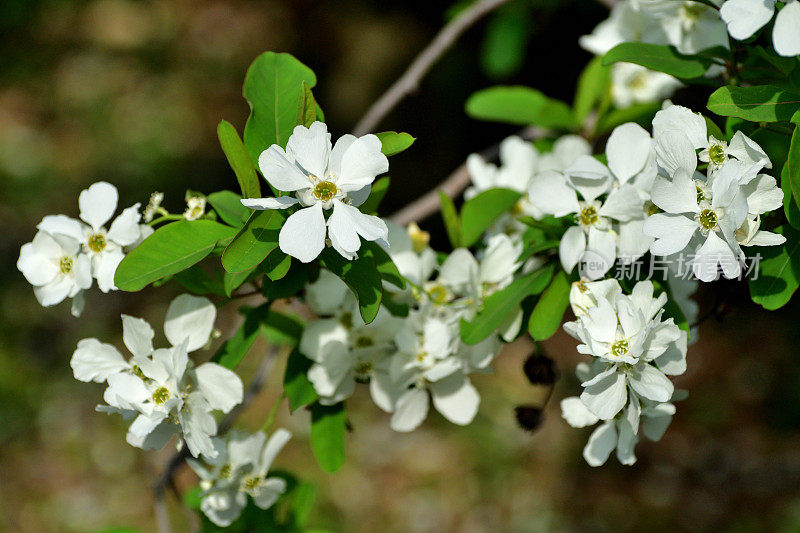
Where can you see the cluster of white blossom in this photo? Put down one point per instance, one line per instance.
(745, 17)
(67, 253)
(160, 388)
(710, 216)
(239, 469)
(626, 385)
(323, 178)
(617, 208)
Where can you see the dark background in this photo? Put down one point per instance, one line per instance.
(131, 92)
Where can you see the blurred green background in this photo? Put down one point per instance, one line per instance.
(131, 92)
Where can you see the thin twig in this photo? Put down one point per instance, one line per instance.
(165, 480)
(411, 78)
(456, 182)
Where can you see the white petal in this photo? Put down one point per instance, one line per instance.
(223, 508)
(623, 204)
(601, 443)
(63, 225)
(278, 202)
(339, 149)
(221, 388)
(672, 232)
(606, 396)
(681, 119)
(311, 148)
(589, 176)
(190, 317)
(550, 193)
(745, 17)
(747, 150)
(36, 262)
(674, 151)
(410, 410)
(767, 238)
(600, 253)
(127, 387)
(456, 399)
(459, 271)
(576, 414)
(268, 492)
(627, 150)
(105, 266)
(673, 360)
(54, 292)
(786, 33)
(318, 334)
(98, 203)
(572, 247)
(361, 163)
(657, 420)
(713, 252)
(125, 229)
(274, 445)
(198, 426)
(649, 382)
(96, 361)
(303, 234)
(280, 172)
(137, 335)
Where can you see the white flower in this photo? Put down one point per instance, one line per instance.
(634, 349)
(593, 238)
(195, 207)
(160, 387)
(674, 118)
(745, 17)
(239, 469)
(410, 252)
(346, 351)
(323, 178)
(105, 247)
(634, 84)
(153, 206)
(689, 26)
(518, 159)
(56, 268)
(566, 150)
(626, 23)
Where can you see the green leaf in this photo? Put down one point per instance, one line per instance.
(452, 224)
(790, 206)
(277, 264)
(191, 498)
(386, 267)
(281, 328)
(229, 207)
(550, 309)
(302, 503)
(497, 306)
(239, 160)
(393, 143)
(507, 35)
(254, 242)
(379, 189)
(306, 107)
(658, 57)
(197, 280)
(642, 114)
(231, 353)
(480, 212)
(272, 88)
(763, 103)
(778, 271)
(519, 105)
(793, 165)
(290, 284)
(296, 386)
(713, 129)
(328, 426)
(232, 281)
(171, 249)
(362, 276)
(593, 84)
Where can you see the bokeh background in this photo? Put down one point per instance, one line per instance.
(131, 91)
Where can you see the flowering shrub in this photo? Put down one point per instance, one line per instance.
(616, 207)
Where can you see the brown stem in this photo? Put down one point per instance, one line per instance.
(411, 78)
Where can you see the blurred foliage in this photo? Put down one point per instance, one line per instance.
(132, 92)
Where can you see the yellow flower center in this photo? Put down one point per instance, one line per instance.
(160, 395)
(363, 368)
(588, 216)
(97, 242)
(419, 239)
(225, 471)
(364, 342)
(325, 191)
(439, 294)
(252, 483)
(708, 219)
(639, 81)
(620, 348)
(65, 264)
(716, 153)
(692, 11)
